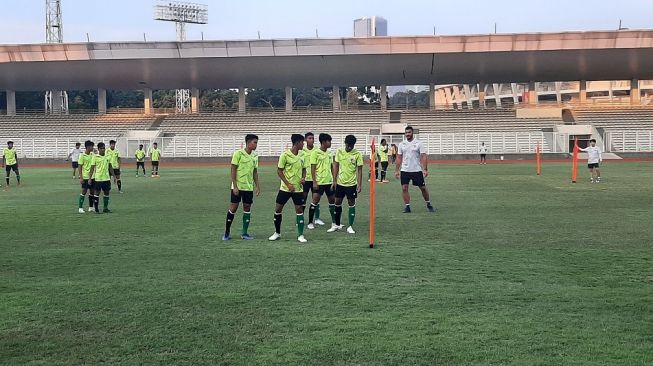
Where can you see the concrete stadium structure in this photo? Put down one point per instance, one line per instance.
(429, 60)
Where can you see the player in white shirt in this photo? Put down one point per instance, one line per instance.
(483, 150)
(594, 158)
(74, 157)
(412, 165)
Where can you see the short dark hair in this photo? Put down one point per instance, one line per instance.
(383, 140)
(350, 140)
(324, 137)
(9, 142)
(112, 142)
(308, 134)
(249, 137)
(100, 145)
(141, 145)
(593, 140)
(155, 144)
(89, 143)
(295, 138)
(409, 128)
(77, 143)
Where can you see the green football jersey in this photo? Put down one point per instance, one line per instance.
(155, 154)
(140, 155)
(102, 163)
(323, 163)
(114, 155)
(292, 166)
(86, 161)
(383, 153)
(246, 164)
(306, 156)
(348, 166)
(10, 155)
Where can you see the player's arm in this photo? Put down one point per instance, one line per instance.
(398, 165)
(234, 178)
(90, 174)
(257, 188)
(285, 181)
(336, 170)
(3, 160)
(424, 161)
(69, 155)
(110, 170)
(79, 170)
(303, 175)
(314, 174)
(359, 177)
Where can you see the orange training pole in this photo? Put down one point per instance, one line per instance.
(538, 158)
(574, 164)
(372, 192)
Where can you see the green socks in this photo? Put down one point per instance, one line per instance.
(317, 211)
(300, 224)
(106, 201)
(246, 219)
(352, 215)
(81, 201)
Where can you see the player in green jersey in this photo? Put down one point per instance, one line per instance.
(114, 155)
(86, 166)
(10, 162)
(383, 157)
(322, 174)
(155, 157)
(244, 184)
(102, 177)
(348, 171)
(140, 159)
(290, 170)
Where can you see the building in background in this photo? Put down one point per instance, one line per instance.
(371, 27)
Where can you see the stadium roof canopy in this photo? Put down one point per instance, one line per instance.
(609, 55)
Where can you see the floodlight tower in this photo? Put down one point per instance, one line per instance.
(181, 13)
(56, 101)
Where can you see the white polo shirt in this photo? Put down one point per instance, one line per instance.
(411, 152)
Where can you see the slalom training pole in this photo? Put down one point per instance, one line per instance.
(538, 158)
(372, 191)
(574, 164)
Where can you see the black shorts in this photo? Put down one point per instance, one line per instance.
(75, 165)
(483, 156)
(244, 196)
(297, 198)
(9, 168)
(102, 186)
(140, 164)
(87, 184)
(593, 166)
(350, 192)
(116, 172)
(307, 186)
(325, 189)
(155, 163)
(416, 177)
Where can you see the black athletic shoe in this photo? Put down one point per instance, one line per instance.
(431, 208)
(407, 209)
(106, 210)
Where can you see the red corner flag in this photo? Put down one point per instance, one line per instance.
(372, 191)
(574, 164)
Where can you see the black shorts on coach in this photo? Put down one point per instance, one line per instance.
(243, 196)
(416, 177)
(297, 198)
(75, 165)
(593, 166)
(350, 192)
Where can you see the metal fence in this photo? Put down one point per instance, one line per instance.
(629, 141)
(274, 145)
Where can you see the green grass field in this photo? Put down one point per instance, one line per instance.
(514, 269)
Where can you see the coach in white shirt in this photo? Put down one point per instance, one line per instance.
(412, 165)
(74, 157)
(594, 159)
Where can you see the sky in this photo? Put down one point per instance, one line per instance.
(127, 20)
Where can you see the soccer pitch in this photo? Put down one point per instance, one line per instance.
(513, 269)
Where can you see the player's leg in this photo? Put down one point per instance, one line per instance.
(418, 180)
(384, 171)
(248, 200)
(7, 173)
(332, 205)
(82, 196)
(17, 173)
(315, 202)
(282, 199)
(337, 209)
(598, 174)
(231, 214)
(116, 174)
(405, 180)
(591, 170)
(300, 206)
(106, 190)
(351, 201)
